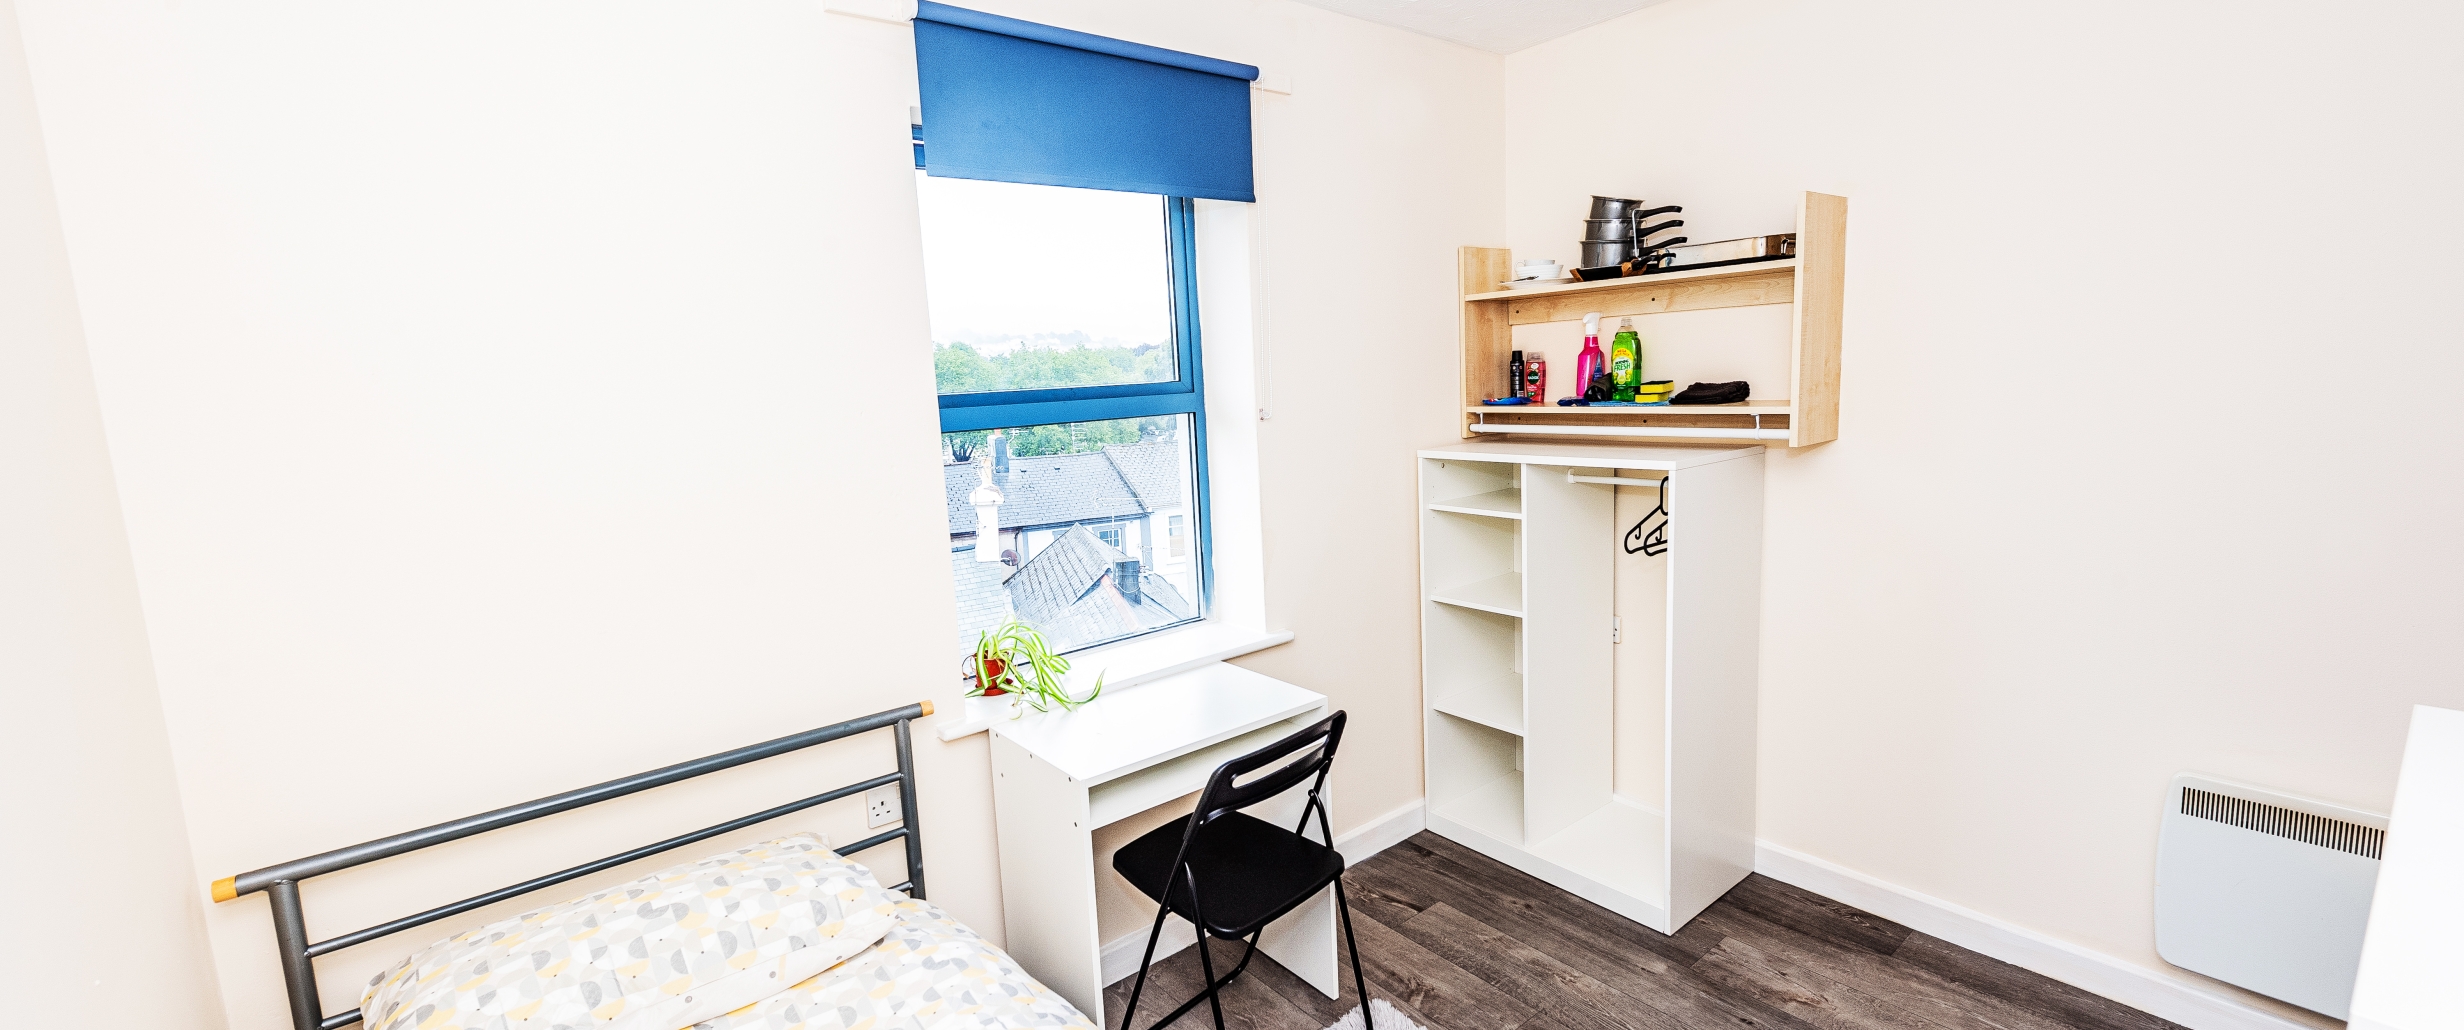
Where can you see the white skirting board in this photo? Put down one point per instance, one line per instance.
(1121, 953)
(2190, 1004)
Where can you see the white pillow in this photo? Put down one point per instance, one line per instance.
(661, 953)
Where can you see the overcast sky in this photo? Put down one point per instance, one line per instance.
(1011, 259)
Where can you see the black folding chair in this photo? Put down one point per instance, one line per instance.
(1230, 874)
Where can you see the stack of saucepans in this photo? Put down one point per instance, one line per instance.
(1617, 236)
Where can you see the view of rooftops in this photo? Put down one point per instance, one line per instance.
(1088, 531)
(1085, 531)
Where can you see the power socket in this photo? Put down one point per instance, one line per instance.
(881, 806)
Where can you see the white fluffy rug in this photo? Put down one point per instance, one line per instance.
(1387, 1018)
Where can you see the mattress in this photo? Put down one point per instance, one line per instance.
(930, 972)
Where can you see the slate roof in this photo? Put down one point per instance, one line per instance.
(1152, 470)
(1066, 591)
(1054, 489)
(982, 601)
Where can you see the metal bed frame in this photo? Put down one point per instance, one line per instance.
(280, 882)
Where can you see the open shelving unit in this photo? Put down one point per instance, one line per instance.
(1519, 671)
(1814, 281)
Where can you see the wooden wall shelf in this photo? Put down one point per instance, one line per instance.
(1813, 281)
(1784, 269)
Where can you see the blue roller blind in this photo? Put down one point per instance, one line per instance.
(1022, 102)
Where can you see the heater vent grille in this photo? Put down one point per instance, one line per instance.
(2334, 834)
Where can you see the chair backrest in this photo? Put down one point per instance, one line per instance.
(1224, 796)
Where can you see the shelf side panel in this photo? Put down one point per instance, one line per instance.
(1821, 289)
(1642, 663)
(1486, 336)
(1714, 636)
(1569, 593)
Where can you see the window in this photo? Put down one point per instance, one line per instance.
(1065, 350)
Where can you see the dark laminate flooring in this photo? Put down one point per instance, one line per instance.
(1459, 941)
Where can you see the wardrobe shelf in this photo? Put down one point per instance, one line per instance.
(1504, 504)
(1607, 846)
(1500, 594)
(1497, 705)
(1495, 809)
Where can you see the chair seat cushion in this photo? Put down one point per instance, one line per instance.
(1249, 872)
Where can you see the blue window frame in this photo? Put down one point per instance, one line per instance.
(1182, 396)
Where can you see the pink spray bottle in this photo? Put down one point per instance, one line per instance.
(1591, 362)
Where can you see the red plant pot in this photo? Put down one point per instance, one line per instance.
(985, 673)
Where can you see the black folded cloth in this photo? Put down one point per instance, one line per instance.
(1713, 393)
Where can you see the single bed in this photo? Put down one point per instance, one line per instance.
(929, 971)
(926, 970)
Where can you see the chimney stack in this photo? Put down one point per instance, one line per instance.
(1125, 579)
(1001, 457)
(987, 503)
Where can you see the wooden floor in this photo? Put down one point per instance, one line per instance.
(1461, 942)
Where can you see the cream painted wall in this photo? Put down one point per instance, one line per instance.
(510, 398)
(507, 398)
(94, 844)
(2085, 526)
(1382, 166)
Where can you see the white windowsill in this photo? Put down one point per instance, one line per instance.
(1127, 664)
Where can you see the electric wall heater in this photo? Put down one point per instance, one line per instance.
(2266, 890)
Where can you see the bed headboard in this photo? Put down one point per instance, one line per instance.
(280, 882)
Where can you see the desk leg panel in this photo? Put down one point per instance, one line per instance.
(1048, 875)
(1307, 940)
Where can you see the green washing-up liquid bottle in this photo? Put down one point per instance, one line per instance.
(1625, 362)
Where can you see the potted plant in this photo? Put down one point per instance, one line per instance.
(1013, 660)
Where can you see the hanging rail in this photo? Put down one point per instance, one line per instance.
(1614, 481)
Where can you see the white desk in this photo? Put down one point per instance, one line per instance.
(1059, 776)
(2412, 953)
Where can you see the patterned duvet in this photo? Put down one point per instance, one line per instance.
(928, 973)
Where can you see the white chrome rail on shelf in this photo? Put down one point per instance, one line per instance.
(1679, 432)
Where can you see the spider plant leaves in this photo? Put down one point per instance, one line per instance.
(1016, 659)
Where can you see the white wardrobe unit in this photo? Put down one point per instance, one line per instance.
(1522, 646)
